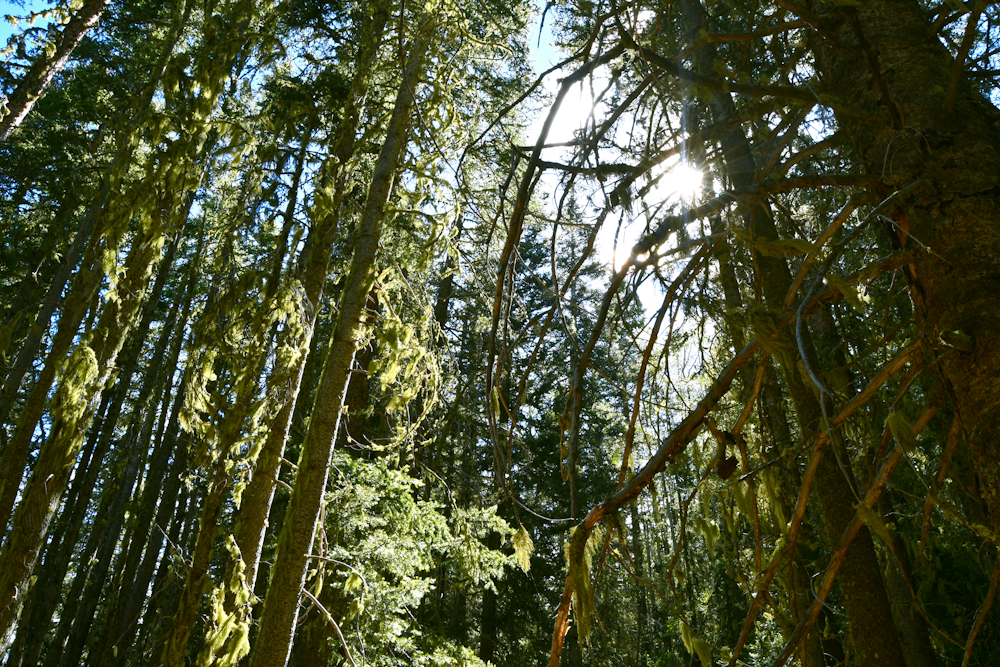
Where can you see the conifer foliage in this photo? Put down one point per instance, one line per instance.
(659, 332)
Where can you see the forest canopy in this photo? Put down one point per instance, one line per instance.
(497, 332)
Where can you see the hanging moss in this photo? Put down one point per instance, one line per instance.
(523, 548)
(580, 549)
(227, 639)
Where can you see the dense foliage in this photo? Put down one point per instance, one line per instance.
(342, 332)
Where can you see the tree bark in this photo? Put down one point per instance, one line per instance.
(889, 65)
(277, 624)
(83, 288)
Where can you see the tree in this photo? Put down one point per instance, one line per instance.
(47, 64)
(313, 354)
(791, 86)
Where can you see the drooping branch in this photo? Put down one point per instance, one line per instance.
(692, 424)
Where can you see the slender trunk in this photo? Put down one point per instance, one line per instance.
(84, 287)
(31, 289)
(252, 521)
(277, 625)
(196, 577)
(169, 586)
(15, 454)
(146, 539)
(49, 584)
(168, 509)
(642, 652)
(912, 626)
(45, 68)
(108, 528)
(86, 374)
(489, 625)
(58, 552)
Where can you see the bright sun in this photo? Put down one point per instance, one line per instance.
(680, 181)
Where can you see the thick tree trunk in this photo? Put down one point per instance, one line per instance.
(889, 65)
(865, 598)
(277, 625)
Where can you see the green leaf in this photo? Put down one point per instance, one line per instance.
(785, 247)
(704, 651)
(849, 292)
(875, 524)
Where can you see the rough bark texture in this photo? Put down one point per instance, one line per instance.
(955, 286)
(277, 625)
(865, 598)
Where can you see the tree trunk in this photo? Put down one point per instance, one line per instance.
(132, 572)
(45, 68)
(865, 599)
(84, 378)
(890, 66)
(277, 625)
(108, 529)
(83, 289)
(252, 521)
(196, 577)
(33, 324)
(58, 552)
(489, 625)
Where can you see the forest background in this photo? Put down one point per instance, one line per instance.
(334, 333)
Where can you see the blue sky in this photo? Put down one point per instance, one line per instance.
(8, 8)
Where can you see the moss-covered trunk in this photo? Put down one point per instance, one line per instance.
(277, 625)
(252, 521)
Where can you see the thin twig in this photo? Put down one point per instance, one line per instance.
(963, 52)
(336, 628)
(837, 558)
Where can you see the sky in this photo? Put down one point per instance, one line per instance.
(678, 181)
(8, 8)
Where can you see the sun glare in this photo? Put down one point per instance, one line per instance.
(681, 181)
